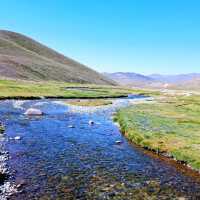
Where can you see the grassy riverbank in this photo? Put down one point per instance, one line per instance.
(170, 126)
(13, 89)
(23, 89)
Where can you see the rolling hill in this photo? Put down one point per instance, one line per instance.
(24, 58)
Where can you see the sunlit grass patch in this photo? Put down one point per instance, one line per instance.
(28, 89)
(171, 126)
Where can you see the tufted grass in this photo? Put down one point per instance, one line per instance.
(170, 126)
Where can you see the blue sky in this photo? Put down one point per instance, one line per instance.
(144, 36)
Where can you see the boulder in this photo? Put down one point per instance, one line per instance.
(33, 111)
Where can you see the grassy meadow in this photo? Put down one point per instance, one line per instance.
(26, 90)
(18, 89)
(170, 126)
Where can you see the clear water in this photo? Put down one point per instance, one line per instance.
(54, 161)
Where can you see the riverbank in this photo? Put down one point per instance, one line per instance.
(27, 90)
(169, 126)
(13, 89)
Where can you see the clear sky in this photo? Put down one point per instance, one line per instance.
(144, 36)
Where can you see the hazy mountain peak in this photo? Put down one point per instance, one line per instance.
(156, 80)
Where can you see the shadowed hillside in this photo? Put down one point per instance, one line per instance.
(24, 58)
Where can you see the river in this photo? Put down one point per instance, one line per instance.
(61, 156)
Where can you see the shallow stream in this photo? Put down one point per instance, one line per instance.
(52, 160)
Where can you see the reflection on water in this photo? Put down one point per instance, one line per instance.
(54, 161)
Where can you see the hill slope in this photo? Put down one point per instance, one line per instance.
(24, 58)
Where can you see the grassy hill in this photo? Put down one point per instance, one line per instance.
(24, 58)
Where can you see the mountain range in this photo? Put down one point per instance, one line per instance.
(189, 81)
(24, 58)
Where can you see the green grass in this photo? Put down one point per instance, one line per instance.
(24, 89)
(28, 89)
(170, 126)
(90, 103)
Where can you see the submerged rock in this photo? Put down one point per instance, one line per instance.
(118, 142)
(71, 126)
(33, 111)
(3, 178)
(2, 128)
(17, 137)
(91, 122)
(20, 184)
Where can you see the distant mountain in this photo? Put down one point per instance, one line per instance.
(191, 84)
(156, 80)
(24, 58)
(131, 79)
(175, 79)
